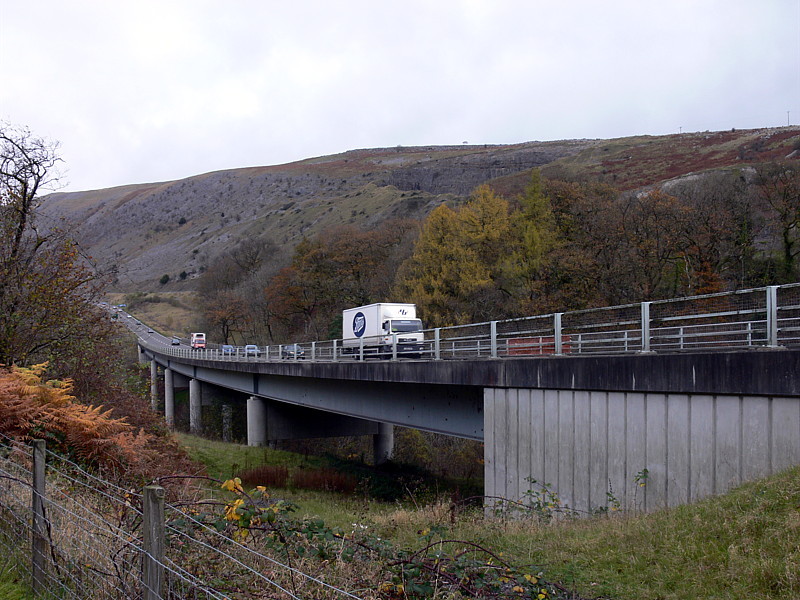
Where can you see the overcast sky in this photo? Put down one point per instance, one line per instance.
(149, 91)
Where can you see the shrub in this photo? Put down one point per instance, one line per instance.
(266, 475)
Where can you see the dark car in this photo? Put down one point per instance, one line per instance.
(292, 351)
(176, 341)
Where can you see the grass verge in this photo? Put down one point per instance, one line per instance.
(744, 544)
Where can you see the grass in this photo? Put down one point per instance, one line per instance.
(13, 579)
(744, 544)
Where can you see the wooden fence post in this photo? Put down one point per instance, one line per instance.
(39, 583)
(153, 531)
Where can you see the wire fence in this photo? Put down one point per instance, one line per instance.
(745, 319)
(94, 540)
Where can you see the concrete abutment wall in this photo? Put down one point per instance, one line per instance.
(586, 445)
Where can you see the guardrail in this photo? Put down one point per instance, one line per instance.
(766, 317)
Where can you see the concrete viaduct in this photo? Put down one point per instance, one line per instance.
(687, 425)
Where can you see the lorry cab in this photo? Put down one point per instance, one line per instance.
(402, 325)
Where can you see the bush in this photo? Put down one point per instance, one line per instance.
(164, 279)
(267, 475)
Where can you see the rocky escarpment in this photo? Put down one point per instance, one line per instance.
(462, 173)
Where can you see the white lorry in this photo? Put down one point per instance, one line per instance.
(198, 341)
(375, 329)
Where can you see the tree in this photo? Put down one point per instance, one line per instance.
(778, 185)
(535, 240)
(27, 164)
(48, 288)
(453, 273)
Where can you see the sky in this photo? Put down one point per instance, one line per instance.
(146, 91)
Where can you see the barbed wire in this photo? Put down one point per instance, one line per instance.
(92, 554)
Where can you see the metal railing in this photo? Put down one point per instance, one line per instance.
(766, 317)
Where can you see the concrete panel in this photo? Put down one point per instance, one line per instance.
(598, 465)
(635, 449)
(525, 440)
(501, 444)
(538, 441)
(756, 443)
(702, 447)
(656, 490)
(551, 439)
(512, 446)
(582, 452)
(678, 457)
(617, 446)
(728, 446)
(566, 449)
(785, 433)
(489, 450)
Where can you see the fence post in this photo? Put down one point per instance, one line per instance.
(493, 339)
(645, 327)
(772, 316)
(559, 349)
(437, 354)
(153, 526)
(39, 524)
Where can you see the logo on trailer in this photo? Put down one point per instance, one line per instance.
(359, 324)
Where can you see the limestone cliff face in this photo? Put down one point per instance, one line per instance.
(174, 227)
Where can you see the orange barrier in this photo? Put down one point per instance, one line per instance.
(531, 346)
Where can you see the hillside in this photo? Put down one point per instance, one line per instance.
(179, 227)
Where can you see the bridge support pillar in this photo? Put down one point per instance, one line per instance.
(169, 398)
(195, 407)
(383, 443)
(256, 421)
(227, 422)
(154, 385)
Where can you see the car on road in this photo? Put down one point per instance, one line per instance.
(150, 330)
(228, 350)
(252, 350)
(292, 351)
(176, 341)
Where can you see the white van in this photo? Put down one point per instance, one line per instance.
(198, 341)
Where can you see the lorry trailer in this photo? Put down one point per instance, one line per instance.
(376, 329)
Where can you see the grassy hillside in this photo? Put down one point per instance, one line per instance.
(146, 231)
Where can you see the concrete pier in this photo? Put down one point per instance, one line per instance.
(169, 398)
(195, 407)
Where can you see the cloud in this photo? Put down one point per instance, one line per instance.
(162, 90)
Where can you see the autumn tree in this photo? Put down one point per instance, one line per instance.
(721, 233)
(532, 249)
(778, 186)
(336, 269)
(48, 288)
(454, 272)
